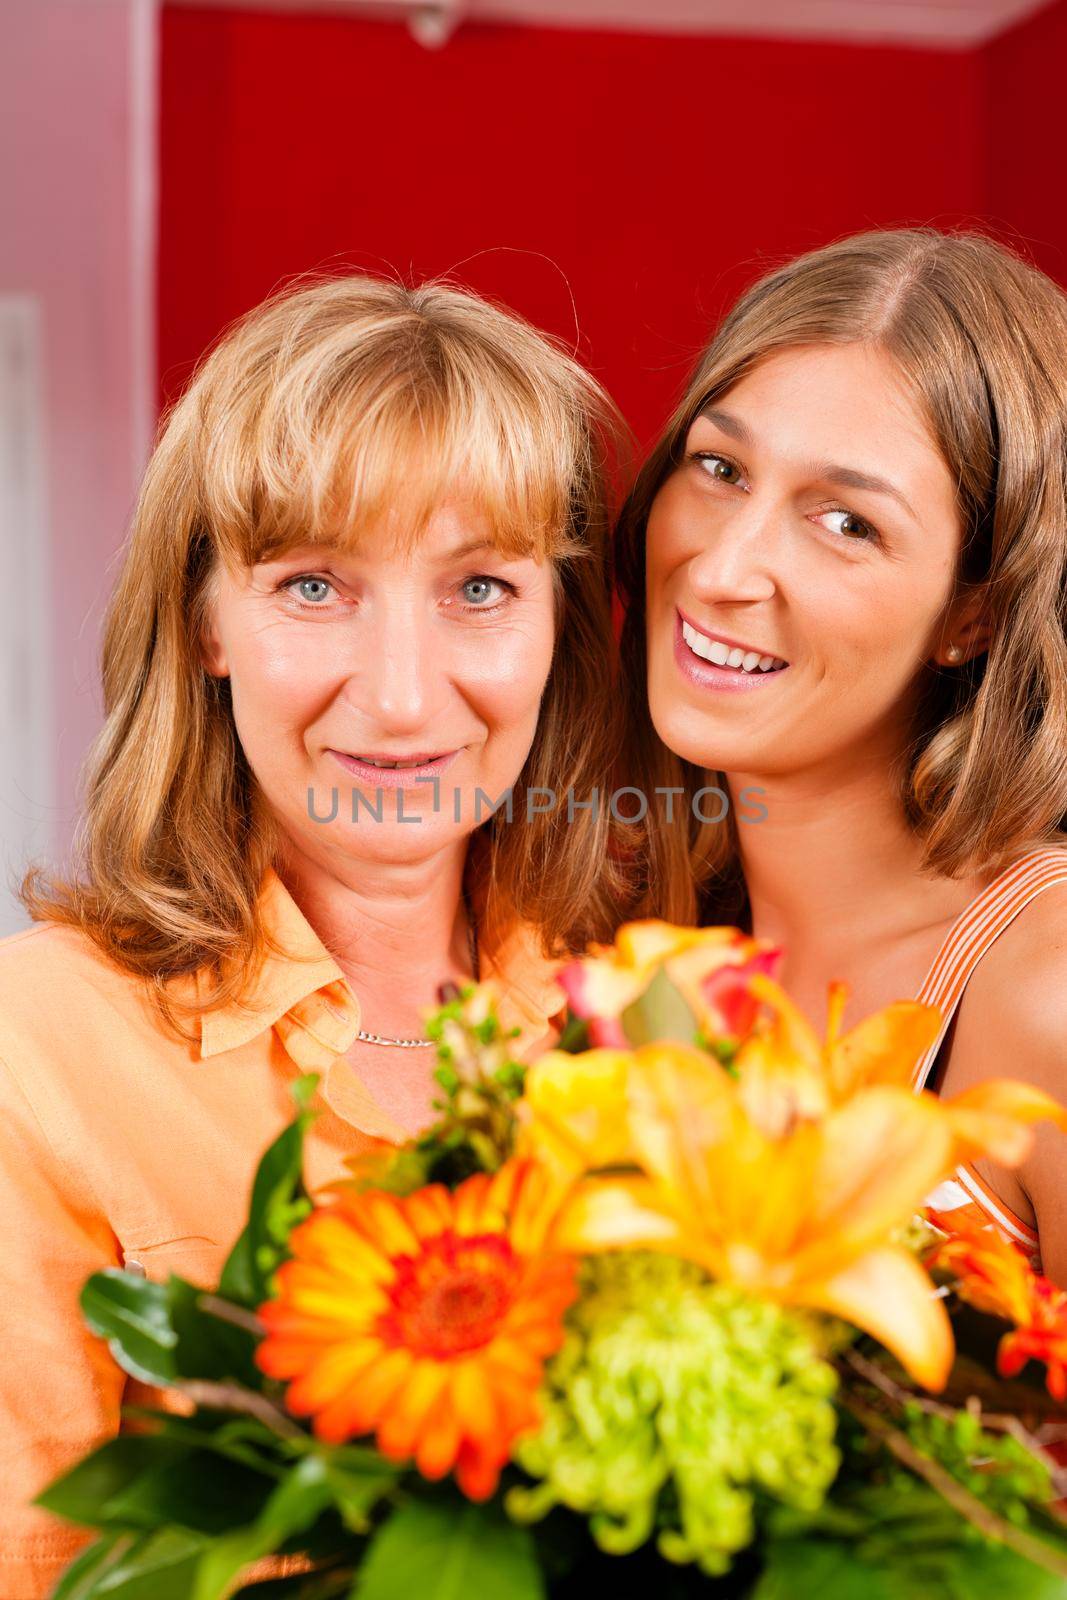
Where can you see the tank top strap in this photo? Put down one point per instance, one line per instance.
(976, 929)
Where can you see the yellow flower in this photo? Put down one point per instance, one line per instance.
(574, 1113)
(803, 1217)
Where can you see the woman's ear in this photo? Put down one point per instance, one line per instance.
(211, 649)
(966, 632)
(212, 654)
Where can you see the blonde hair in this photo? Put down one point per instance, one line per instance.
(317, 411)
(982, 338)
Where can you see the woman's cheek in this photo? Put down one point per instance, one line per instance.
(289, 680)
(509, 669)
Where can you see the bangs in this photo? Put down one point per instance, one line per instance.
(361, 428)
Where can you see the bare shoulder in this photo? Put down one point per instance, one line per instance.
(1012, 1023)
(1017, 998)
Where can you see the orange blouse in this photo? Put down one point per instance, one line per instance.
(120, 1144)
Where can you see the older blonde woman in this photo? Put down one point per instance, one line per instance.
(363, 603)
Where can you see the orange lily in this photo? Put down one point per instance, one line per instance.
(993, 1274)
(783, 1046)
(803, 1216)
(789, 1178)
(783, 1060)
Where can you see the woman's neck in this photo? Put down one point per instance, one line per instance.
(833, 865)
(396, 930)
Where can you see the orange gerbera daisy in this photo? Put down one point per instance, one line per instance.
(994, 1275)
(425, 1320)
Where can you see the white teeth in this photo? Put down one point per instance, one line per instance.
(699, 645)
(722, 655)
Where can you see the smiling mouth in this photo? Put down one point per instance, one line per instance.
(389, 764)
(727, 653)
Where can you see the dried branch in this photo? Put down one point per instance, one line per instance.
(961, 1499)
(228, 1397)
(226, 1311)
(996, 1422)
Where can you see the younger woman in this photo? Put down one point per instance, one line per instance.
(846, 569)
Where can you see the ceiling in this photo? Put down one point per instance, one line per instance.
(953, 23)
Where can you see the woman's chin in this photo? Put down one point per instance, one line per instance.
(388, 844)
(702, 739)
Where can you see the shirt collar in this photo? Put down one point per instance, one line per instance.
(307, 999)
(284, 984)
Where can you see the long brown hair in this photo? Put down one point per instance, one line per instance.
(982, 338)
(317, 410)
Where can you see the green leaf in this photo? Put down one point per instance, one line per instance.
(208, 1346)
(236, 1438)
(156, 1566)
(662, 1012)
(898, 1540)
(279, 1201)
(134, 1316)
(358, 1478)
(575, 1035)
(200, 1491)
(137, 1482)
(294, 1506)
(831, 1571)
(974, 1570)
(160, 1332)
(78, 1578)
(84, 1492)
(448, 1550)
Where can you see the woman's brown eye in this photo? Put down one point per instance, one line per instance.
(719, 467)
(848, 526)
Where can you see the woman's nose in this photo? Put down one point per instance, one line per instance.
(738, 559)
(399, 678)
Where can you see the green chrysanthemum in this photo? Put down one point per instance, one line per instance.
(672, 1404)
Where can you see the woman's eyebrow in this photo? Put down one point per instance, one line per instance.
(728, 423)
(472, 547)
(851, 478)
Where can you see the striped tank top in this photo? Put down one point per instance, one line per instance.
(967, 941)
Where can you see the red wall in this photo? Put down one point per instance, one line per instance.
(1026, 77)
(648, 176)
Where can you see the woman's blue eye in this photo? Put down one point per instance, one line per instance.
(477, 591)
(322, 585)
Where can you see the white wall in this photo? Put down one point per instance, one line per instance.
(78, 161)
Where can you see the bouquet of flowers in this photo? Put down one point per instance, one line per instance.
(663, 1307)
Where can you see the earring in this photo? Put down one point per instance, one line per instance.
(954, 653)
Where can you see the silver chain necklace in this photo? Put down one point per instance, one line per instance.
(423, 1044)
